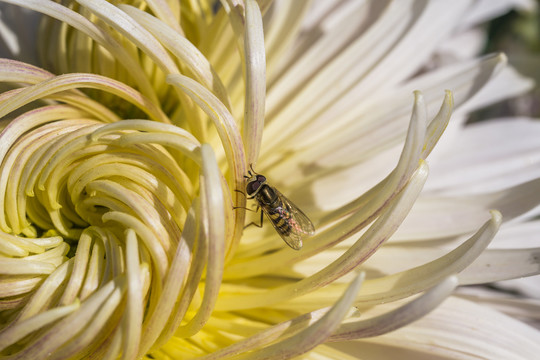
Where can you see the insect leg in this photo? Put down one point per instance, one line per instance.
(262, 217)
(242, 207)
(241, 192)
(253, 222)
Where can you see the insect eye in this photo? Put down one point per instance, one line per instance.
(261, 178)
(252, 187)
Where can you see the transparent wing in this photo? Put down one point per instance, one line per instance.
(289, 221)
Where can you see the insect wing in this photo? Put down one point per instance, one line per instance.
(289, 221)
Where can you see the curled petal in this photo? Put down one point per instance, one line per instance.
(17, 331)
(59, 334)
(84, 25)
(133, 315)
(184, 50)
(398, 318)
(124, 24)
(212, 205)
(364, 209)
(73, 81)
(157, 320)
(313, 335)
(230, 139)
(424, 276)
(255, 63)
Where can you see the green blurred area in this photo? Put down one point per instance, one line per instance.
(517, 34)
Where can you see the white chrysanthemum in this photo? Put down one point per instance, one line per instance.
(122, 178)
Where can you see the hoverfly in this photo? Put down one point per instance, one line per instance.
(288, 220)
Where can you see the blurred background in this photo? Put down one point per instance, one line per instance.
(517, 34)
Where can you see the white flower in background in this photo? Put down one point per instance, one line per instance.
(121, 179)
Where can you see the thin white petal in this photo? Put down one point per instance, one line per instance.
(495, 154)
(214, 225)
(369, 126)
(73, 81)
(461, 329)
(255, 70)
(124, 24)
(70, 326)
(517, 235)
(17, 331)
(230, 137)
(445, 216)
(157, 321)
(345, 80)
(400, 285)
(495, 265)
(133, 316)
(524, 309)
(400, 317)
(504, 85)
(79, 270)
(84, 25)
(449, 264)
(283, 27)
(183, 49)
(313, 335)
(46, 291)
(379, 231)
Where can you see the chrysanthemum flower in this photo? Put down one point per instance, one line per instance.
(122, 183)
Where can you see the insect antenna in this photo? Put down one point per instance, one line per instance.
(252, 171)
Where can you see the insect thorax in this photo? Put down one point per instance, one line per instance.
(267, 195)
